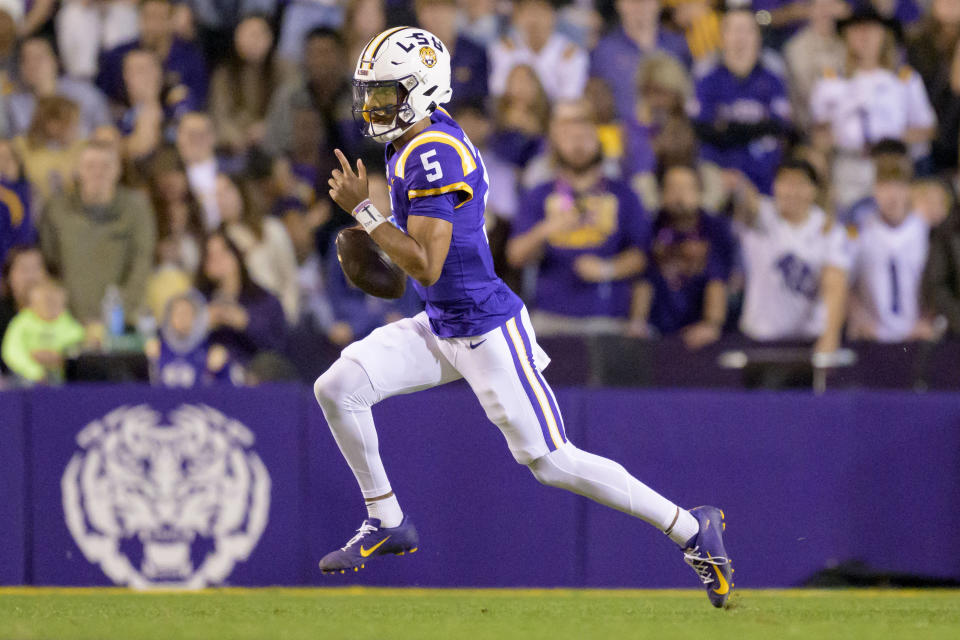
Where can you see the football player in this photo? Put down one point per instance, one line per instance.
(474, 327)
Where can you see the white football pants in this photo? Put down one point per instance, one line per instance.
(503, 369)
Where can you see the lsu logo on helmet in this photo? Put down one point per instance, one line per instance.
(173, 502)
(428, 56)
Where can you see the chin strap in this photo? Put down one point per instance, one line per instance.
(368, 216)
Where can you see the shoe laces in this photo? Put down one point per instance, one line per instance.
(364, 529)
(701, 565)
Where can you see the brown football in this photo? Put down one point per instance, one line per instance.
(367, 267)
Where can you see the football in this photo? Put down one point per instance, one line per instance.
(367, 267)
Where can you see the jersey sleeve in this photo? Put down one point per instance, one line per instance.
(920, 113)
(439, 165)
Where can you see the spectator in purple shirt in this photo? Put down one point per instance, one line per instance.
(244, 317)
(618, 54)
(586, 233)
(17, 226)
(184, 70)
(468, 61)
(741, 109)
(690, 261)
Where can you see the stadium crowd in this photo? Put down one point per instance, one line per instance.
(786, 169)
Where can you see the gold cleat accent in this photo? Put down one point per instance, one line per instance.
(356, 568)
(342, 571)
(363, 566)
(724, 526)
(414, 550)
(722, 515)
(399, 553)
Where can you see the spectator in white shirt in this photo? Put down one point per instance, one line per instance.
(795, 261)
(873, 99)
(195, 142)
(560, 64)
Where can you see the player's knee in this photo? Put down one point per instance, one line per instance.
(556, 469)
(341, 386)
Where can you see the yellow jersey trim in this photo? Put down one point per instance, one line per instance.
(466, 159)
(14, 204)
(456, 186)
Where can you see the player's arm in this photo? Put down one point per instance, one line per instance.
(420, 252)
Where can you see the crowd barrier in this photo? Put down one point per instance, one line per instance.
(146, 487)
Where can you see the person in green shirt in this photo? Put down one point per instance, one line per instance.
(39, 335)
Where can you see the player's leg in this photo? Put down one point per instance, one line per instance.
(401, 357)
(505, 375)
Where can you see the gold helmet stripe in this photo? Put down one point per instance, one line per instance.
(373, 47)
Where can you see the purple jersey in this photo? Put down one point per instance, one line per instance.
(611, 221)
(682, 263)
(439, 174)
(759, 100)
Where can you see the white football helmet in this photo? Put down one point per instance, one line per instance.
(403, 74)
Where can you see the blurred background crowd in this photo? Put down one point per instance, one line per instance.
(781, 169)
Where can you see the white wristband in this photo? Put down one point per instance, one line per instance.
(368, 216)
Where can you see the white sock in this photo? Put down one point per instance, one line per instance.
(346, 395)
(685, 528)
(608, 483)
(387, 511)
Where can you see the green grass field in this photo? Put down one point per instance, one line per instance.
(106, 614)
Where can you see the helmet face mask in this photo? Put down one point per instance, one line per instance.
(380, 107)
(401, 77)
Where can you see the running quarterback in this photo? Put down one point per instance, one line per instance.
(474, 327)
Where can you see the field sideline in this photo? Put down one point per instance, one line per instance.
(355, 612)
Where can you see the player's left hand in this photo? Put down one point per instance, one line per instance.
(348, 189)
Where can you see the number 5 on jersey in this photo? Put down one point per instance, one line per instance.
(432, 167)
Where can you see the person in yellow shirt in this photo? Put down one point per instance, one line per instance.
(37, 338)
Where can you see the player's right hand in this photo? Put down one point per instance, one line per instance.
(348, 189)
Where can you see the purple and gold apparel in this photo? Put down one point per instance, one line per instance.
(612, 220)
(439, 174)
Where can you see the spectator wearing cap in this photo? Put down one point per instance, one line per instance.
(469, 68)
(533, 40)
(39, 77)
(101, 235)
(872, 99)
(691, 257)
(740, 109)
(930, 44)
(795, 261)
(586, 235)
(890, 254)
(639, 34)
(811, 52)
(184, 69)
(85, 29)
